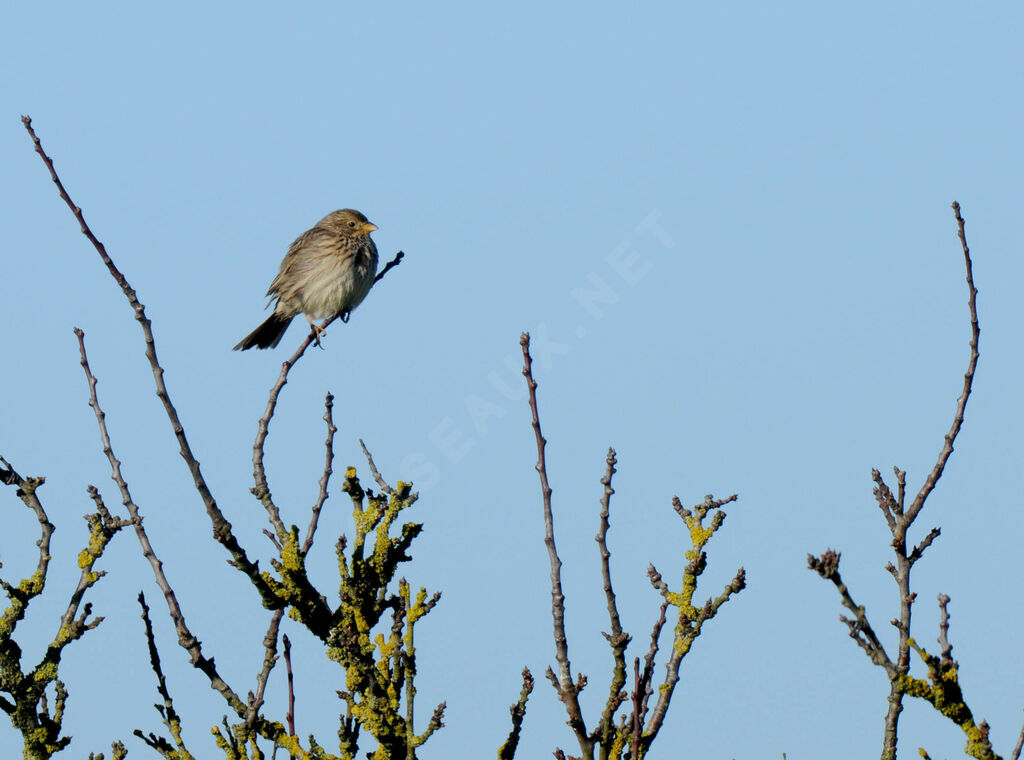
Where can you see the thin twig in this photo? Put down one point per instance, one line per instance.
(972, 364)
(290, 715)
(827, 566)
(637, 699)
(325, 479)
(103, 526)
(652, 652)
(269, 660)
(186, 638)
(169, 714)
(374, 471)
(617, 639)
(507, 751)
(389, 266)
(602, 542)
(1019, 745)
(947, 648)
(568, 691)
(26, 491)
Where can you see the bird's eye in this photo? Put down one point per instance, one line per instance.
(351, 224)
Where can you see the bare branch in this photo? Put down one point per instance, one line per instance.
(290, 715)
(638, 700)
(374, 471)
(326, 477)
(900, 517)
(171, 719)
(972, 364)
(947, 648)
(568, 692)
(389, 266)
(269, 660)
(1018, 746)
(827, 566)
(186, 638)
(221, 527)
(617, 639)
(918, 550)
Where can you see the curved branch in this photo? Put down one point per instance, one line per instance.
(972, 364)
(221, 527)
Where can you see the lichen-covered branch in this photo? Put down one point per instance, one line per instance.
(507, 751)
(691, 619)
(942, 689)
(27, 704)
(379, 668)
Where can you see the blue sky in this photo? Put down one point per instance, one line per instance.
(797, 317)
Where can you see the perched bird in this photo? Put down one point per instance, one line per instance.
(328, 270)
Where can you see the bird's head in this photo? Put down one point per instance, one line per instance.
(348, 221)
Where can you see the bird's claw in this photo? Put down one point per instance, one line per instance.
(317, 332)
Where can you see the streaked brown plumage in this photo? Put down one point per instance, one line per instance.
(328, 270)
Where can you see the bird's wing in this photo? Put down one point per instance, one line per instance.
(293, 260)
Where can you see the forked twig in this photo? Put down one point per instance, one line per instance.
(900, 517)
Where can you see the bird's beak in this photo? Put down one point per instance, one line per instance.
(368, 227)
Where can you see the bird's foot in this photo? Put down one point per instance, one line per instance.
(317, 332)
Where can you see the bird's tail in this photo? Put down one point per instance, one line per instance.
(267, 335)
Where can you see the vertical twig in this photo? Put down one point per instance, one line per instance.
(507, 751)
(326, 477)
(269, 660)
(637, 699)
(906, 517)
(617, 639)
(567, 690)
(290, 715)
(170, 715)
